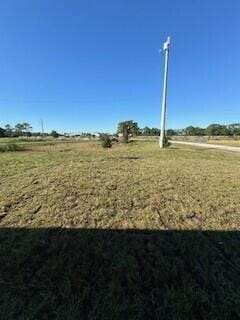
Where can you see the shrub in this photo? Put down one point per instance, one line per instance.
(54, 134)
(11, 147)
(106, 141)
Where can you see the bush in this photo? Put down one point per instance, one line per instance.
(54, 134)
(11, 147)
(106, 141)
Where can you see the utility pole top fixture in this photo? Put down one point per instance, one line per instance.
(166, 44)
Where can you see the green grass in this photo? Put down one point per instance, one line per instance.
(11, 147)
(128, 233)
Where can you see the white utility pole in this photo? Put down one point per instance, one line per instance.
(42, 126)
(166, 46)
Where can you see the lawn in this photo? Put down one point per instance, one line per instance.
(133, 232)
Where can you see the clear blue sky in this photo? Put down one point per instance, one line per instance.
(85, 65)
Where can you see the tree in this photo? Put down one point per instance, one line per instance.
(54, 134)
(194, 131)
(132, 127)
(2, 132)
(146, 131)
(26, 128)
(126, 128)
(149, 131)
(234, 129)
(8, 130)
(19, 129)
(155, 132)
(171, 132)
(180, 132)
(23, 129)
(217, 130)
(200, 131)
(126, 132)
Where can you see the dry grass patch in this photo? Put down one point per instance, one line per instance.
(230, 142)
(134, 186)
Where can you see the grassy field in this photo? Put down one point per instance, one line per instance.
(128, 233)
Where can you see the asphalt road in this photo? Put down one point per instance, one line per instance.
(208, 145)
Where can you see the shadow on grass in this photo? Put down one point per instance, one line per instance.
(110, 274)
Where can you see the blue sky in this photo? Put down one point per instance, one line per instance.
(85, 65)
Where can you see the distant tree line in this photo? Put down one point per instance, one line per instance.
(23, 130)
(131, 128)
(20, 129)
(213, 130)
